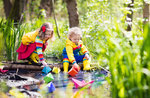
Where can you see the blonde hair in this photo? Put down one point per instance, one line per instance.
(74, 31)
(48, 26)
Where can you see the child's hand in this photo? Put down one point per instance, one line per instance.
(44, 63)
(87, 56)
(76, 67)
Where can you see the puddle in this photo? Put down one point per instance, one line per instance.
(60, 80)
(30, 81)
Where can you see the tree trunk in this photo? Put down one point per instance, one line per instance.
(47, 5)
(27, 8)
(72, 12)
(23, 9)
(31, 9)
(130, 16)
(18, 8)
(146, 13)
(7, 7)
(15, 11)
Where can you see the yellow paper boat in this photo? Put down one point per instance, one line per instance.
(56, 70)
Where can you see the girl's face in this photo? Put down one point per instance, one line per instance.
(75, 38)
(48, 34)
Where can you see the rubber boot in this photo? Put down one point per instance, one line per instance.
(86, 65)
(65, 66)
(34, 57)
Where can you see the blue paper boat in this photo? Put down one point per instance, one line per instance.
(46, 69)
(51, 87)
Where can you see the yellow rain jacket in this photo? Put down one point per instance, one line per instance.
(72, 49)
(30, 37)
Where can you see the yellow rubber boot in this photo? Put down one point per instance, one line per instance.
(86, 65)
(65, 66)
(34, 57)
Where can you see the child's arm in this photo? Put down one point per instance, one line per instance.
(69, 50)
(83, 48)
(70, 54)
(39, 46)
(84, 51)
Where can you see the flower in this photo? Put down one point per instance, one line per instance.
(43, 28)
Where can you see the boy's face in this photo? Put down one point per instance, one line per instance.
(75, 38)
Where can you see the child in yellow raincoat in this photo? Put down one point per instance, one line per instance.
(71, 52)
(34, 43)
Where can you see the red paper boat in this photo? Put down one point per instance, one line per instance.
(3, 71)
(72, 72)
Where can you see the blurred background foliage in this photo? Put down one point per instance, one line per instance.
(115, 32)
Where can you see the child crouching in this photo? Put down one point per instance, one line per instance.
(71, 52)
(34, 44)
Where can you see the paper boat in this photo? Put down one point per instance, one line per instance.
(56, 70)
(51, 87)
(46, 69)
(79, 84)
(72, 72)
(3, 71)
(48, 78)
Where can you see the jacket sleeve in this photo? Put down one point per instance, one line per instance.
(69, 50)
(44, 46)
(83, 48)
(39, 46)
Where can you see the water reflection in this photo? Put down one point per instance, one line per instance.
(62, 79)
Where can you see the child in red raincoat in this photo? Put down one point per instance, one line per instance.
(34, 43)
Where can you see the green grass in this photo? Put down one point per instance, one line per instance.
(12, 38)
